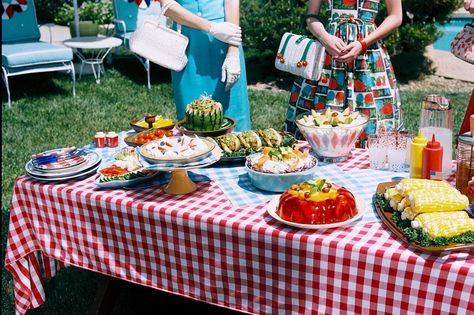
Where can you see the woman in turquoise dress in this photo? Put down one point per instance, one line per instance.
(357, 71)
(215, 67)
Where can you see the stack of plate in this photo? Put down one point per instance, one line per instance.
(71, 168)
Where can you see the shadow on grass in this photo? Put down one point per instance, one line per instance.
(7, 283)
(136, 299)
(35, 85)
(132, 68)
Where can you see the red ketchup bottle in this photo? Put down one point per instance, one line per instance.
(432, 160)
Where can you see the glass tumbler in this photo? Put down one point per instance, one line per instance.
(377, 148)
(397, 146)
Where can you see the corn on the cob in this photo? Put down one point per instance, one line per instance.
(448, 228)
(390, 192)
(409, 184)
(424, 218)
(423, 201)
(395, 200)
(408, 213)
(404, 203)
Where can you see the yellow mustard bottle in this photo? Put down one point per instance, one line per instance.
(416, 155)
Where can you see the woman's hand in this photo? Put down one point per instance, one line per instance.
(334, 45)
(226, 32)
(350, 53)
(231, 68)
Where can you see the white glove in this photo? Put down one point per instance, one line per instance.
(231, 70)
(226, 32)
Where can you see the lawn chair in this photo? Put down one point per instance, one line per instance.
(23, 52)
(128, 17)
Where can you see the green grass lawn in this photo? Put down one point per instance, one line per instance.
(45, 115)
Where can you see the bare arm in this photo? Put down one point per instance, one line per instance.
(334, 45)
(232, 15)
(391, 22)
(314, 25)
(184, 17)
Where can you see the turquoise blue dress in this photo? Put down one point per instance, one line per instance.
(202, 74)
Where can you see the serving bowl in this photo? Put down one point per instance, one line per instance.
(278, 182)
(332, 144)
(227, 127)
(139, 124)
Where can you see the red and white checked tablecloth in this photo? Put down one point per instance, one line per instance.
(199, 246)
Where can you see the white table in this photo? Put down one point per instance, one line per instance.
(100, 47)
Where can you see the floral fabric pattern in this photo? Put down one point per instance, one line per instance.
(367, 84)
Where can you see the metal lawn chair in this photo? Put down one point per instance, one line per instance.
(23, 52)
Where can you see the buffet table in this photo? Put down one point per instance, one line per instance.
(203, 247)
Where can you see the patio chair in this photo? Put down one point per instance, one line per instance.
(128, 17)
(23, 52)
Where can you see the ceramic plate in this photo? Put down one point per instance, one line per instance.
(227, 126)
(92, 159)
(273, 205)
(62, 165)
(84, 173)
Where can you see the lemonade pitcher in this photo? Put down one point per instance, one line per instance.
(437, 118)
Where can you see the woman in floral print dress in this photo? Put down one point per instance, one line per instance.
(357, 71)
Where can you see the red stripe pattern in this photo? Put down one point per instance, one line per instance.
(200, 247)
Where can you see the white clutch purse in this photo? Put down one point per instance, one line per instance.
(301, 56)
(160, 44)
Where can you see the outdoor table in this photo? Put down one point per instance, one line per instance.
(203, 247)
(99, 45)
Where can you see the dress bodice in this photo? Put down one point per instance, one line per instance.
(207, 9)
(365, 10)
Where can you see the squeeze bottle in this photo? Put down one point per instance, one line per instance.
(416, 155)
(433, 160)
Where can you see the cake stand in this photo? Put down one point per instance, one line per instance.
(180, 183)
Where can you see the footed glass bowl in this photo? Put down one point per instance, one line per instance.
(332, 144)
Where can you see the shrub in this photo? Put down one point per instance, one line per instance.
(418, 29)
(99, 12)
(62, 12)
(264, 22)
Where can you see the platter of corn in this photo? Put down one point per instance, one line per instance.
(434, 209)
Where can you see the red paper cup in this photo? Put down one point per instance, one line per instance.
(112, 139)
(100, 140)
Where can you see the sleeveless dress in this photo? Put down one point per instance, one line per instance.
(202, 74)
(367, 84)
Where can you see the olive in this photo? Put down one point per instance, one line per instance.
(307, 194)
(328, 185)
(325, 190)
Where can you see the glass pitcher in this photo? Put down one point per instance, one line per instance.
(437, 118)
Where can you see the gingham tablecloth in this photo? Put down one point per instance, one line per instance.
(202, 247)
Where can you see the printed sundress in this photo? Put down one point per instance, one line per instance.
(367, 84)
